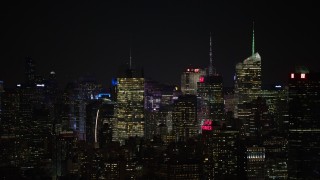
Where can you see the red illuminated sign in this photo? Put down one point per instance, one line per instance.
(303, 76)
(201, 79)
(196, 70)
(207, 128)
(207, 125)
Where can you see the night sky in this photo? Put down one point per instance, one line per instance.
(91, 38)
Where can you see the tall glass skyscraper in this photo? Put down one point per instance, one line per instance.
(130, 101)
(248, 79)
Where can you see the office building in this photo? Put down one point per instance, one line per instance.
(304, 124)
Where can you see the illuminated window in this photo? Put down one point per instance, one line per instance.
(303, 76)
(292, 75)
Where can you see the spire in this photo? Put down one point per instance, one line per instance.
(210, 55)
(130, 59)
(253, 38)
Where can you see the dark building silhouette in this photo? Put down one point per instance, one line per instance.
(304, 133)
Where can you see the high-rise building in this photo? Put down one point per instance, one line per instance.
(30, 71)
(256, 162)
(189, 79)
(130, 104)
(210, 94)
(225, 153)
(277, 102)
(276, 157)
(304, 124)
(101, 122)
(8, 127)
(248, 78)
(184, 117)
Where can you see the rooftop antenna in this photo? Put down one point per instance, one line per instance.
(253, 38)
(130, 59)
(211, 69)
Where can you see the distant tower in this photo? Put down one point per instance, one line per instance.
(211, 69)
(248, 77)
(304, 133)
(184, 117)
(253, 49)
(30, 71)
(1, 91)
(189, 79)
(130, 100)
(210, 94)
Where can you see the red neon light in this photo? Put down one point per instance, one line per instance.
(207, 128)
(303, 76)
(292, 75)
(201, 79)
(196, 70)
(207, 125)
(188, 70)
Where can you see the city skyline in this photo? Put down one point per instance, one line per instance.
(159, 90)
(94, 39)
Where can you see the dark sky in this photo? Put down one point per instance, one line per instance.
(91, 38)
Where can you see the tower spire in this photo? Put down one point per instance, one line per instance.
(253, 38)
(130, 58)
(210, 56)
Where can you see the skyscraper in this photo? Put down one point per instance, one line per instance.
(189, 79)
(184, 117)
(30, 70)
(247, 87)
(248, 77)
(130, 101)
(304, 124)
(210, 94)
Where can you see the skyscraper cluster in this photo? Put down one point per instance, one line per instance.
(144, 129)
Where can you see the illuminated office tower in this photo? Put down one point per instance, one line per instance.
(210, 94)
(184, 161)
(153, 93)
(184, 117)
(158, 106)
(248, 78)
(276, 157)
(277, 102)
(304, 124)
(130, 101)
(189, 79)
(256, 162)
(225, 153)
